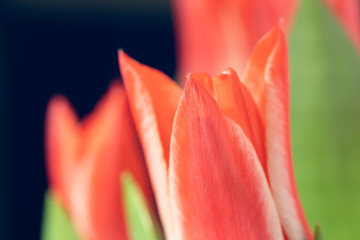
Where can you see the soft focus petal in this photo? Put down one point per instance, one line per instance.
(217, 185)
(235, 101)
(216, 34)
(267, 79)
(348, 13)
(254, 74)
(62, 140)
(153, 101)
(106, 145)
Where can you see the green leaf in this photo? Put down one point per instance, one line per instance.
(325, 113)
(318, 234)
(139, 221)
(56, 225)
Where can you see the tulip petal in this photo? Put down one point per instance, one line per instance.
(255, 71)
(117, 143)
(153, 101)
(62, 140)
(267, 79)
(217, 185)
(216, 34)
(235, 102)
(107, 145)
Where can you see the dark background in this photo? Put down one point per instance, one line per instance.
(67, 47)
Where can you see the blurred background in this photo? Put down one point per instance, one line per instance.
(68, 47)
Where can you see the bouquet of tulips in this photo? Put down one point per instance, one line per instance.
(209, 157)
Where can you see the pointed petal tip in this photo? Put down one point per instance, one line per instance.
(58, 101)
(122, 57)
(190, 83)
(269, 39)
(281, 28)
(124, 60)
(188, 76)
(121, 53)
(196, 91)
(58, 109)
(127, 64)
(277, 31)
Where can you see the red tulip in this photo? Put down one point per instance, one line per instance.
(216, 34)
(85, 159)
(153, 99)
(218, 153)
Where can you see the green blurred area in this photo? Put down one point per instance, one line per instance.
(139, 220)
(325, 117)
(56, 225)
(141, 224)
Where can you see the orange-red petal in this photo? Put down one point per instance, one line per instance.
(236, 102)
(107, 145)
(153, 99)
(217, 185)
(216, 34)
(61, 146)
(267, 79)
